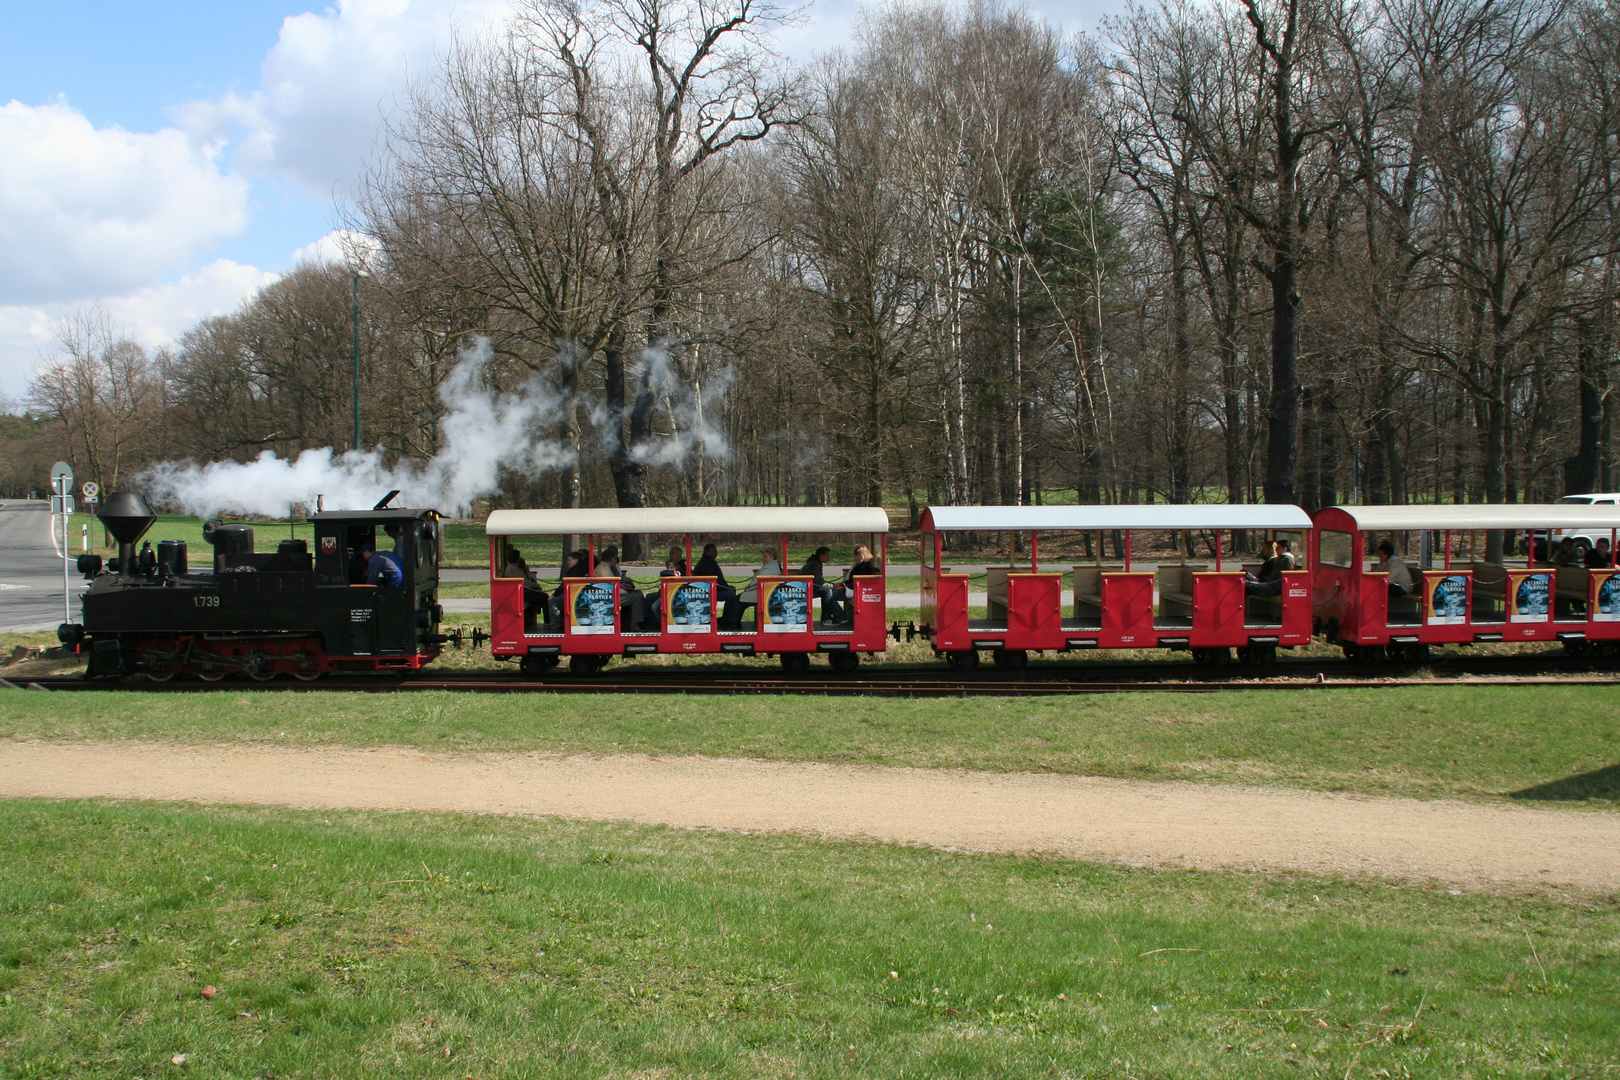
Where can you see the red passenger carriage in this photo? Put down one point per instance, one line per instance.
(1198, 606)
(683, 611)
(1462, 593)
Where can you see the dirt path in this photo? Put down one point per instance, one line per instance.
(1078, 817)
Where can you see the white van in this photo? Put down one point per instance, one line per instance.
(1586, 538)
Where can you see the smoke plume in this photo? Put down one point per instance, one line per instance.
(481, 433)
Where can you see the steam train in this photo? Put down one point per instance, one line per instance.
(290, 612)
(261, 614)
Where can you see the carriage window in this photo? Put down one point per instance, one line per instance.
(1337, 549)
(928, 550)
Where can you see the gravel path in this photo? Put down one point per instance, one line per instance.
(1173, 824)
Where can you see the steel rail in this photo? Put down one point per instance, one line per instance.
(876, 682)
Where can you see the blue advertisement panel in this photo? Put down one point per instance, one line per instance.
(785, 606)
(1448, 599)
(1608, 597)
(689, 607)
(1531, 600)
(592, 607)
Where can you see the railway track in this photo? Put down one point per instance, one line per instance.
(922, 681)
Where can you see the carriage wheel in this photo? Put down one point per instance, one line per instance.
(964, 660)
(844, 661)
(1010, 659)
(795, 662)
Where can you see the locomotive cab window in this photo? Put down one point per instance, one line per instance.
(355, 540)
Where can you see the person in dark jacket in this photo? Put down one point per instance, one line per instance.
(815, 566)
(709, 566)
(1598, 558)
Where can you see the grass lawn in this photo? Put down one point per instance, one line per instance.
(395, 945)
(1547, 743)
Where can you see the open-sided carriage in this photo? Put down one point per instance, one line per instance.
(543, 616)
(1465, 589)
(1203, 607)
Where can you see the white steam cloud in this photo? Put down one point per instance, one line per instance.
(691, 412)
(481, 433)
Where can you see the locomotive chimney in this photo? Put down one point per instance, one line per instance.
(126, 515)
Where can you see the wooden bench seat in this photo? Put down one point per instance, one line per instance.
(1175, 583)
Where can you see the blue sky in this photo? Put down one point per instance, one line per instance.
(167, 157)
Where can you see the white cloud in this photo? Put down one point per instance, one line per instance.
(328, 81)
(155, 315)
(339, 247)
(88, 211)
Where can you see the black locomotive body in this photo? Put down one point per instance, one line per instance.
(262, 614)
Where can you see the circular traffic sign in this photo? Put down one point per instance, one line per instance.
(91, 489)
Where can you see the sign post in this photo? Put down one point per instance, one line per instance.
(91, 492)
(62, 503)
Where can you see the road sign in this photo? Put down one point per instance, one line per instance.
(61, 478)
(91, 489)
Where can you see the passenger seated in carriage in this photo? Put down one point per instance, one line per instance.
(1401, 584)
(1268, 582)
(815, 568)
(866, 565)
(534, 595)
(632, 601)
(749, 597)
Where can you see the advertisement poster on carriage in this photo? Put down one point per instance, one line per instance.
(689, 607)
(1531, 595)
(785, 606)
(1607, 608)
(591, 607)
(1448, 599)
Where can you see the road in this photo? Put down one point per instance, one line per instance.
(30, 570)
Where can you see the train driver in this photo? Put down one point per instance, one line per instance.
(382, 567)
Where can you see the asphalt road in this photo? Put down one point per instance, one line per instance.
(30, 570)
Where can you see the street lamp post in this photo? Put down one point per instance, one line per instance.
(354, 277)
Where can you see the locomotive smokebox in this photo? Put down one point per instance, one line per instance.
(126, 515)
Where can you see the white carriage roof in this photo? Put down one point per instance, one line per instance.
(681, 520)
(1146, 516)
(1483, 516)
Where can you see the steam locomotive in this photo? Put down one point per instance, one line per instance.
(261, 614)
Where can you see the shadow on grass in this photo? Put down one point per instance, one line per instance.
(1601, 783)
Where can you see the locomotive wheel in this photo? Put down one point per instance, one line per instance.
(795, 662)
(157, 676)
(844, 661)
(306, 676)
(965, 660)
(210, 676)
(1010, 659)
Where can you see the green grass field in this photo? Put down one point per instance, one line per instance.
(395, 945)
(1554, 744)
